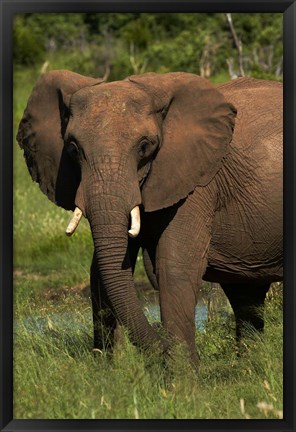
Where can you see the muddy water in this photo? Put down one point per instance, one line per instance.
(150, 301)
(67, 321)
(208, 304)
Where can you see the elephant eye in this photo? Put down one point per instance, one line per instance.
(146, 147)
(72, 149)
(143, 147)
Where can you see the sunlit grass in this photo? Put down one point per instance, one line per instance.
(57, 376)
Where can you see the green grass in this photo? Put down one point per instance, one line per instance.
(55, 372)
(57, 376)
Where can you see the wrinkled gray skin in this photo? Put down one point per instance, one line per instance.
(203, 162)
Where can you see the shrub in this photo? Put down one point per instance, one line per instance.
(28, 46)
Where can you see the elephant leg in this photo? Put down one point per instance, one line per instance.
(133, 248)
(181, 261)
(246, 300)
(149, 265)
(177, 305)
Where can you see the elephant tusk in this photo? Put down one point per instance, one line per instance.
(74, 222)
(135, 222)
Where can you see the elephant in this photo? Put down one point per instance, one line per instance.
(189, 171)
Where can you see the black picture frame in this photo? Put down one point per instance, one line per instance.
(7, 9)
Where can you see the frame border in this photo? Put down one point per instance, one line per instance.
(7, 9)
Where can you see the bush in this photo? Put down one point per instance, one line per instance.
(28, 46)
(201, 43)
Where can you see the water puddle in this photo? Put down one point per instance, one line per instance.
(152, 311)
(67, 321)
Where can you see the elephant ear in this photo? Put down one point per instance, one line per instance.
(41, 132)
(197, 127)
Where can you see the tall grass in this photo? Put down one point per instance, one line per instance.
(55, 373)
(57, 376)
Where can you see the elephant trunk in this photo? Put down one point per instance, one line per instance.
(109, 220)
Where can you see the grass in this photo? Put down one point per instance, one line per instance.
(55, 372)
(57, 376)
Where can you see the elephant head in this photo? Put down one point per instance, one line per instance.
(106, 148)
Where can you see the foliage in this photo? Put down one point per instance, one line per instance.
(129, 43)
(27, 47)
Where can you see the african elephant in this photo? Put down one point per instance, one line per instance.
(198, 165)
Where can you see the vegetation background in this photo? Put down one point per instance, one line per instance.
(55, 373)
